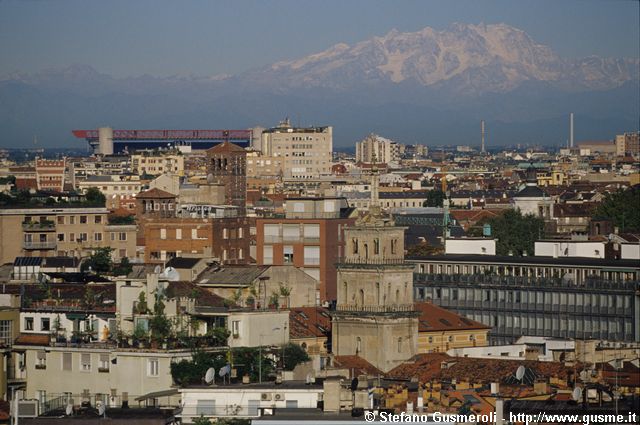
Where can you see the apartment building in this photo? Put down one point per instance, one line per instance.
(306, 153)
(73, 232)
(156, 163)
(310, 236)
(628, 143)
(374, 148)
(118, 190)
(50, 174)
(223, 238)
(539, 296)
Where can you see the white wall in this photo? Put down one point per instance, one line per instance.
(630, 251)
(471, 246)
(570, 249)
(252, 324)
(235, 401)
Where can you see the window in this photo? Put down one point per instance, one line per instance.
(82, 237)
(45, 324)
(72, 219)
(103, 366)
(153, 367)
(72, 237)
(122, 236)
(399, 345)
(41, 360)
(66, 361)
(85, 362)
(6, 332)
(358, 345)
(194, 233)
(205, 407)
(163, 233)
(240, 233)
(60, 237)
(235, 328)
(311, 255)
(28, 323)
(288, 254)
(83, 219)
(98, 219)
(178, 233)
(267, 254)
(97, 237)
(225, 233)
(61, 220)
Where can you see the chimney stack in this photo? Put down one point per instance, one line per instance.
(482, 134)
(571, 130)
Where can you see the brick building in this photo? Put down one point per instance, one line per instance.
(310, 236)
(227, 165)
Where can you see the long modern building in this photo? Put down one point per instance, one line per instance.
(108, 141)
(541, 296)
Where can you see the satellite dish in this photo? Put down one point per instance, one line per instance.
(520, 373)
(157, 269)
(225, 370)
(68, 410)
(170, 274)
(101, 409)
(576, 395)
(210, 375)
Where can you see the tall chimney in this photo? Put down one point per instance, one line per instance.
(571, 130)
(482, 134)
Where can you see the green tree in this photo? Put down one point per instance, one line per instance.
(516, 234)
(100, 261)
(623, 208)
(123, 268)
(93, 196)
(202, 421)
(435, 198)
(294, 355)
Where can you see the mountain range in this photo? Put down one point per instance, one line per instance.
(430, 86)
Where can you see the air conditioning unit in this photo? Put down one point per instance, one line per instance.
(278, 397)
(265, 396)
(28, 408)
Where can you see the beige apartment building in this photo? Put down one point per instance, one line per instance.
(118, 190)
(628, 143)
(48, 232)
(154, 164)
(305, 153)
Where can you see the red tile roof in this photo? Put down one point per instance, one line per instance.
(434, 318)
(357, 364)
(309, 322)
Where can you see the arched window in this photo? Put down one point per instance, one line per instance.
(354, 243)
(376, 246)
(366, 251)
(397, 296)
(361, 298)
(358, 345)
(399, 345)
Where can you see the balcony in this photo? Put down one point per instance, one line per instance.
(39, 245)
(39, 226)
(393, 308)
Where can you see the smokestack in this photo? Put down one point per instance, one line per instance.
(482, 134)
(571, 130)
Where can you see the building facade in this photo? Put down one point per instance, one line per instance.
(227, 165)
(310, 236)
(375, 317)
(537, 296)
(306, 153)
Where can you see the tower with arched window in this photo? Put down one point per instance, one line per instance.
(375, 317)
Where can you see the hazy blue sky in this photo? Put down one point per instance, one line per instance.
(213, 37)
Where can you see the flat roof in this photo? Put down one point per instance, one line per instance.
(529, 260)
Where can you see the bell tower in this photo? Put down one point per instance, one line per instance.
(375, 317)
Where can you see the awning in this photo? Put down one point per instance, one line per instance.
(157, 394)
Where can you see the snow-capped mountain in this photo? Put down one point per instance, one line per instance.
(475, 58)
(429, 86)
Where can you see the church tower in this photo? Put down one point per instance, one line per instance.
(375, 317)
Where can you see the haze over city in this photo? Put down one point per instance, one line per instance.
(418, 72)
